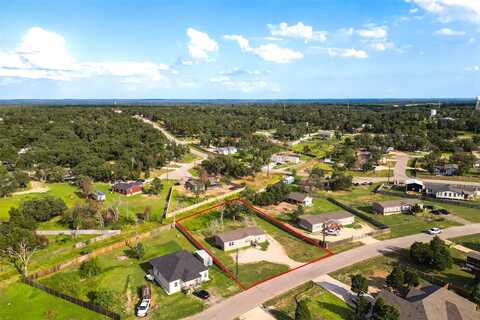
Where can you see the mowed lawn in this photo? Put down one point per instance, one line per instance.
(321, 205)
(20, 301)
(321, 303)
(71, 195)
(376, 269)
(248, 273)
(471, 241)
(470, 214)
(126, 275)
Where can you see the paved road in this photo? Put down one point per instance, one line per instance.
(181, 173)
(243, 302)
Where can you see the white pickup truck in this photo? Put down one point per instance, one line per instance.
(142, 307)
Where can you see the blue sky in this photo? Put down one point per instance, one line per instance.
(240, 49)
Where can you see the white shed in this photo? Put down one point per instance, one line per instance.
(204, 257)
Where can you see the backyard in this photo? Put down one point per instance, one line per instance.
(320, 302)
(125, 275)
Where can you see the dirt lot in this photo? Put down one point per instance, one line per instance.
(281, 208)
(346, 233)
(275, 253)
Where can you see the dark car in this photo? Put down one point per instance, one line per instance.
(202, 294)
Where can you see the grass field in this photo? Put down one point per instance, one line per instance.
(321, 205)
(125, 275)
(71, 195)
(471, 241)
(372, 173)
(318, 147)
(470, 214)
(322, 304)
(17, 301)
(376, 269)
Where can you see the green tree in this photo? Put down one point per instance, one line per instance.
(396, 278)
(103, 297)
(90, 268)
(411, 278)
(362, 307)
(302, 312)
(359, 284)
(475, 294)
(155, 187)
(383, 311)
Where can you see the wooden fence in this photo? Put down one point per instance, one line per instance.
(84, 304)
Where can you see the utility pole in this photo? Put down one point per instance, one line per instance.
(388, 173)
(236, 265)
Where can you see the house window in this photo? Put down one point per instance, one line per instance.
(175, 284)
(231, 243)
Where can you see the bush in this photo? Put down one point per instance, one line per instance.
(86, 251)
(90, 268)
(103, 297)
(264, 245)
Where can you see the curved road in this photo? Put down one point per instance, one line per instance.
(243, 302)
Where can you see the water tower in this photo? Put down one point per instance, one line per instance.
(477, 107)
(433, 113)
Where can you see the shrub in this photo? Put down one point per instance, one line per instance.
(90, 268)
(103, 297)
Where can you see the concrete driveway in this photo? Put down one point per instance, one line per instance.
(243, 302)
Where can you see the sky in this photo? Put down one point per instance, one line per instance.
(226, 49)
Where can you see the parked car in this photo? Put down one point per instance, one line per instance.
(202, 294)
(434, 231)
(142, 308)
(332, 232)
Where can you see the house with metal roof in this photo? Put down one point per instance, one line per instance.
(452, 191)
(396, 206)
(300, 198)
(431, 303)
(128, 188)
(446, 170)
(178, 271)
(315, 223)
(240, 238)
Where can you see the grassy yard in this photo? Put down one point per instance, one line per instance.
(470, 214)
(248, 273)
(71, 195)
(321, 205)
(376, 269)
(125, 275)
(16, 302)
(318, 147)
(320, 302)
(189, 157)
(372, 173)
(471, 241)
(260, 180)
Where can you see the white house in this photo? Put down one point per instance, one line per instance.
(240, 238)
(178, 271)
(452, 192)
(300, 198)
(282, 158)
(396, 206)
(226, 150)
(314, 223)
(99, 196)
(288, 179)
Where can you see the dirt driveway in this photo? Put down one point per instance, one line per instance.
(346, 233)
(275, 253)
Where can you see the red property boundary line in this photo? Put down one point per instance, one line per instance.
(264, 216)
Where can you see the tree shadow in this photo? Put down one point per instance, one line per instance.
(280, 315)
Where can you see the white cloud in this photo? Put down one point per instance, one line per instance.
(244, 86)
(200, 45)
(345, 52)
(43, 54)
(449, 32)
(448, 10)
(473, 68)
(269, 52)
(413, 10)
(299, 31)
(346, 31)
(373, 32)
(382, 45)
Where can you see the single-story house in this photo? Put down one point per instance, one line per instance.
(99, 196)
(314, 223)
(431, 303)
(325, 134)
(194, 185)
(446, 170)
(213, 182)
(288, 179)
(414, 185)
(452, 191)
(300, 198)
(473, 261)
(128, 188)
(240, 238)
(396, 206)
(285, 157)
(178, 271)
(226, 150)
(363, 157)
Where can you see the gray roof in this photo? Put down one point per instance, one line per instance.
(397, 203)
(178, 265)
(474, 254)
(431, 303)
(297, 196)
(324, 217)
(238, 234)
(442, 187)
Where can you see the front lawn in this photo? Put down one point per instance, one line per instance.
(376, 269)
(470, 214)
(322, 304)
(321, 205)
(125, 275)
(471, 241)
(20, 301)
